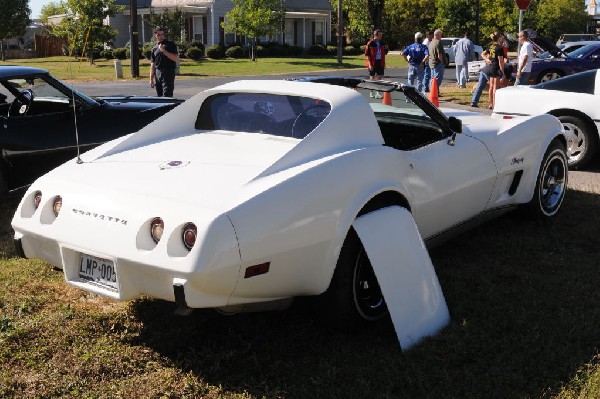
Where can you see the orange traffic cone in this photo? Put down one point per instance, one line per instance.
(433, 93)
(387, 98)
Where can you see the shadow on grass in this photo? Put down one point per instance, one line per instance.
(524, 304)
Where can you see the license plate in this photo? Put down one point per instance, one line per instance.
(98, 271)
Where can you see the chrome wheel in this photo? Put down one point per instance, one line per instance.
(550, 75)
(367, 294)
(577, 144)
(553, 182)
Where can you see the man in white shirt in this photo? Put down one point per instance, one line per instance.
(525, 59)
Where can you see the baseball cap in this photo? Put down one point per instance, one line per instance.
(418, 35)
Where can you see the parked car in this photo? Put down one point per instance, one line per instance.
(576, 37)
(255, 192)
(38, 118)
(556, 66)
(449, 42)
(573, 100)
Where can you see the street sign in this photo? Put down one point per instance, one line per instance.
(523, 4)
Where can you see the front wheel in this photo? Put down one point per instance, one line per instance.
(354, 296)
(551, 183)
(581, 142)
(549, 75)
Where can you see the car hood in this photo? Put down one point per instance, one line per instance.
(210, 169)
(546, 45)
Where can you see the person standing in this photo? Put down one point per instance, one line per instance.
(484, 78)
(375, 52)
(525, 59)
(427, 73)
(464, 51)
(437, 57)
(497, 73)
(417, 55)
(164, 58)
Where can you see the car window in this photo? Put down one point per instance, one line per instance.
(280, 115)
(583, 82)
(583, 51)
(41, 89)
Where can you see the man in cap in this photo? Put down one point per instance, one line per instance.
(417, 55)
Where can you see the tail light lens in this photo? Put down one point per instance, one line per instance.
(157, 226)
(57, 205)
(188, 235)
(37, 199)
(507, 117)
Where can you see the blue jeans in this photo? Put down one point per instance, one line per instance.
(461, 74)
(483, 80)
(523, 79)
(416, 71)
(438, 72)
(427, 77)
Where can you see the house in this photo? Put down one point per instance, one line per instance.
(307, 22)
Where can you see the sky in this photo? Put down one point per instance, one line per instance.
(36, 7)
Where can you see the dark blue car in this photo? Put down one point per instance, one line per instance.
(582, 59)
(38, 115)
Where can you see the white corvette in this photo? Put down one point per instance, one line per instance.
(256, 192)
(573, 99)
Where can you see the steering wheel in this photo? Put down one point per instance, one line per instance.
(309, 119)
(21, 103)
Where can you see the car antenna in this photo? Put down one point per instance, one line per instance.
(76, 131)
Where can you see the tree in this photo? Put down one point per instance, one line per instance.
(254, 19)
(14, 19)
(52, 8)
(83, 25)
(554, 17)
(403, 18)
(171, 21)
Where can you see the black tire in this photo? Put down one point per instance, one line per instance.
(549, 75)
(582, 140)
(551, 183)
(354, 296)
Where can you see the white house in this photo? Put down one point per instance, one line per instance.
(307, 22)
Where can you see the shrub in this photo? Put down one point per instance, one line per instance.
(120, 53)
(107, 54)
(234, 52)
(194, 53)
(295, 51)
(216, 51)
(332, 50)
(317, 49)
(351, 50)
(198, 45)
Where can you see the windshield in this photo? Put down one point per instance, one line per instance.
(583, 51)
(447, 42)
(279, 115)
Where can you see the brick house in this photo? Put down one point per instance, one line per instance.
(307, 22)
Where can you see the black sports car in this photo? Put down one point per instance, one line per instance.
(38, 115)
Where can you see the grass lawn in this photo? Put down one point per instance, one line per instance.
(523, 298)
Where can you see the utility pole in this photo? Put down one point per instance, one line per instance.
(340, 43)
(134, 40)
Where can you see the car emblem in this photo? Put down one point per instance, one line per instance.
(173, 164)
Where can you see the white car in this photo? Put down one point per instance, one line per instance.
(573, 99)
(255, 192)
(450, 42)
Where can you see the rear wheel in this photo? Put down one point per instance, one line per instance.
(582, 141)
(551, 183)
(354, 296)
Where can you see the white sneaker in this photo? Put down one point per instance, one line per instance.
(378, 95)
(371, 94)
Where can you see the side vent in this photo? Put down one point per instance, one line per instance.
(515, 183)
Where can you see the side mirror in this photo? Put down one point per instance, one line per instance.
(455, 124)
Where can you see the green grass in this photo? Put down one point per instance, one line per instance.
(68, 68)
(523, 298)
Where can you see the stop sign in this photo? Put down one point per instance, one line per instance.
(523, 4)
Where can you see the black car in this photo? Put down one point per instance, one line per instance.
(41, 118)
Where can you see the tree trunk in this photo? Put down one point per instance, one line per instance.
(254, 49)
(375, 8)
(2, 50)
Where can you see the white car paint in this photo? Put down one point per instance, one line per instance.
(450, 42)
(575, 96)
(281, 205)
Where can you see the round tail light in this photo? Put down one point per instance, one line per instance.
(157, 226)
(37, 199)
(57, 205)
(188, 234)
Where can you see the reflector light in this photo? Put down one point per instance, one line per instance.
(256, 270)
(188, 234)
(157, 227)
(57, 205)
(37, 199)
(507, 117)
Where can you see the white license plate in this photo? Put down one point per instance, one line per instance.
(98, 271)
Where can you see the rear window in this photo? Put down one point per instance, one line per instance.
(583, 82)
(279, 115)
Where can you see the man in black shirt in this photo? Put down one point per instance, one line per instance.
(164, 58)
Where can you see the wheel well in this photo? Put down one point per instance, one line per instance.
(578, 114)
(541, 74)
(382, 200)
